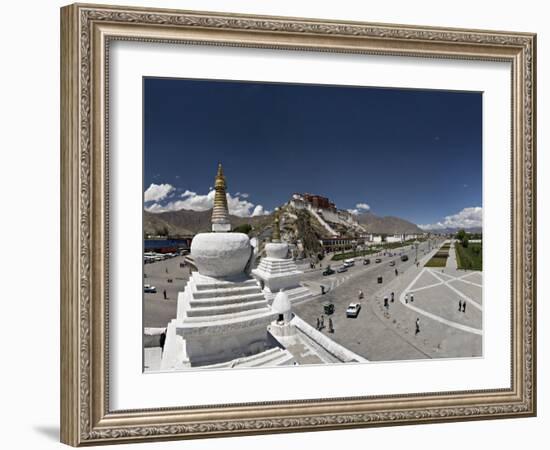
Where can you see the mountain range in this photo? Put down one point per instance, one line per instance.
(387, 224)
(189, 222)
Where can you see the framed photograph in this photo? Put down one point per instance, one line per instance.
(275, 224)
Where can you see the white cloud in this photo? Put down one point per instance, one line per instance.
(237, 205)
(359, 208)
(467, 218)
(259, 211)
(156, 192)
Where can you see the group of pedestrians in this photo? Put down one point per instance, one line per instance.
(321, 324)
(409, 297)
(388, 301)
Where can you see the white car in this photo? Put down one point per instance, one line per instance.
(148, 289)
(353, 310)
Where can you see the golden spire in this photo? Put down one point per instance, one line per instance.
(276, 234)
(220, 212)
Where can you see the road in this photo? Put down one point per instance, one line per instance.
(368, 335)
(157, 311)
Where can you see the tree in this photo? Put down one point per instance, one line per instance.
(461, 234)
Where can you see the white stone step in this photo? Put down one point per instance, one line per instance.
(227, 319)
(213, 301)
(201, 284)
(281, 358)
(219, 310)
(225, 292)
(299, 294)
(271, 355)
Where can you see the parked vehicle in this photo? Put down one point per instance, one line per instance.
(404, 258)
(342, 269)
(148, 289)
(353, 310)
(366, 262)
(328, 308)
(328, 271)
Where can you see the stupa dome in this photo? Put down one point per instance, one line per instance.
(277, 250)
(220, 254)
(281, 303)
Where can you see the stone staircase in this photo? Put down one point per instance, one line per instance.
(294, 295)
(272, 357)
(210, 305)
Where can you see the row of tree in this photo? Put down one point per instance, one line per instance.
(463, 237)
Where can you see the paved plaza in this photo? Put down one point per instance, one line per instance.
(379, 333)
(383, 333)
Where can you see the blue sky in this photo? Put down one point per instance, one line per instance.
(416, 154)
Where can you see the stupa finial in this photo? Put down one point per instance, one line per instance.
(276, 235)
(220, 212)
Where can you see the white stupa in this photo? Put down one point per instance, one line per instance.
(277, 271)
(222, 313)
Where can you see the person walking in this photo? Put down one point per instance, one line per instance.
(412, 298)
(322, 324)
(464, 306)
(392, 297)
(417, 326)
(386, 304)
(330, 326)
(396, 272)
(407, 297)
(460, 305)
(164, 294)
(318, 323)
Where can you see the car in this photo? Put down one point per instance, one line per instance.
(328, 271)
(366, 262)
(328, 308)
(353, 310)
(148, 289)
(377, 260)
(404, 258)
(342, 269)
(349, 262)
(392, 263)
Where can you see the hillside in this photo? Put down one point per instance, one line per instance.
(189, 222)
(387, 224)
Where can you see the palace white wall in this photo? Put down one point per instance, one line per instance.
(29, 220)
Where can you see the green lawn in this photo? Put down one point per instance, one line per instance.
(440, 258)
(437, 261)
(470, 257)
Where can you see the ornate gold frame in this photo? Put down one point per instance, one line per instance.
(86, 31)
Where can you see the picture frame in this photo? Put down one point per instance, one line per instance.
(87, 31)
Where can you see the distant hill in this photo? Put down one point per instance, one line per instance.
(189, 222)
(386, 224)
(474, 230)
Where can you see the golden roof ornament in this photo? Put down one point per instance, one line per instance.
(276, 235)
(220, 212)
